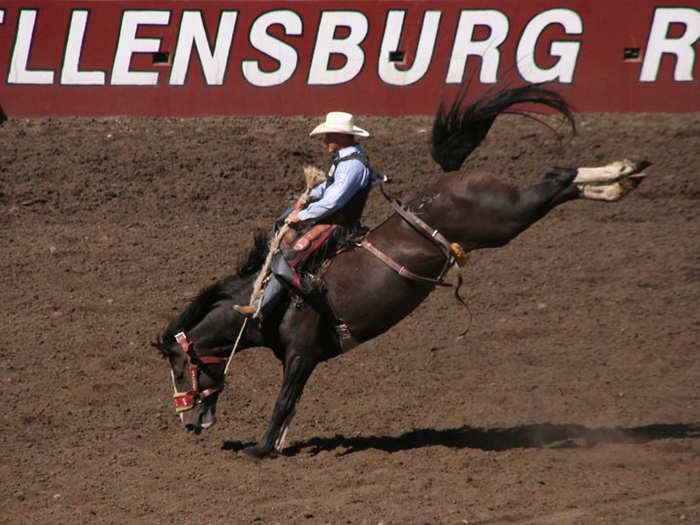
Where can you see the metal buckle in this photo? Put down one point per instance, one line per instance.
(182, 340)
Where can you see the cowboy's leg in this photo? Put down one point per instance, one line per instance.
(283, 274)
(315, 239)
(287, 269)
(272, 296)
(282, 269)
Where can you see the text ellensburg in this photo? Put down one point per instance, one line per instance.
(213, 47)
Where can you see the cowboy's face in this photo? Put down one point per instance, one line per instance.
(337, 141)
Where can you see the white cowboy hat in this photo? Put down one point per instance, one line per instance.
(339, 122)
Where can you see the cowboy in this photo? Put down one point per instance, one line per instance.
(334, 206)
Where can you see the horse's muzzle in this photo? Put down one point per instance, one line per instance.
(183, 401)
(201, 418)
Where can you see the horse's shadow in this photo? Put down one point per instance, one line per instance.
(494, 439)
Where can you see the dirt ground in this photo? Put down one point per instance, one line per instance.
(574, 397)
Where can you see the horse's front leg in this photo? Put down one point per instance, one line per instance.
(297, 370)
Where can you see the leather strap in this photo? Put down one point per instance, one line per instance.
(362, 157)
(186, 400)
(423, 228)
(400, 269)
(416, 221)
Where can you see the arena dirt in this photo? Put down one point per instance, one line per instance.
(574, 397)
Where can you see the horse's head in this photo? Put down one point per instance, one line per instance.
(197, 381)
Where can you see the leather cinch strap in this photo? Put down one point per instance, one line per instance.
(424, 229)
(415, 221)
(400, 269)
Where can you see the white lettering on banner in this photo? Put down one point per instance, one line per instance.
(487, 49)
(19, 74)
(387, 70)
(192, 33)
(327, 45)
(563, 70)
(659, 43)
(337, 56)
(280, 51)
(128, 44)
(70, 74)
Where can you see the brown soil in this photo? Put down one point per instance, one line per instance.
(574, 398)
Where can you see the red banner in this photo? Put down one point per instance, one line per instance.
(386, 58)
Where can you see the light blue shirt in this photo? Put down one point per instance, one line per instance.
(350, 177)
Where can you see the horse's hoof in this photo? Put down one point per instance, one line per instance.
(258, 452)
(611, 192)
(630, 183)
(633, 166)
(613, 172)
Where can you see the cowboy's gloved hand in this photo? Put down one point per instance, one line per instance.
(301, 202)
(292, 217)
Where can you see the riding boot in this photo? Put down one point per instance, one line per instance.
(272, 295)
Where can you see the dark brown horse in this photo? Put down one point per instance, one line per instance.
(364, 296)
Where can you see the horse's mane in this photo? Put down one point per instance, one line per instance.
(256, 256)
(220, 290)
(458, 131)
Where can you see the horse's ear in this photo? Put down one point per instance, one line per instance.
(162, 347)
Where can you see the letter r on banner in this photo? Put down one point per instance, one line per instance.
(487, 49)
(683, 47)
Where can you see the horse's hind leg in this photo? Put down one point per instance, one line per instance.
(612, 182)
(605, 183)
(612, 172)
(534, 202)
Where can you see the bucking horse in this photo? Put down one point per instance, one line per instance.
(371, 285)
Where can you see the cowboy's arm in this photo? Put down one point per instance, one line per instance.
(347, 182)
(292, 214)
(317, 191)
(313, 195)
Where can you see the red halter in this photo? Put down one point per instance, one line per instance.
(186, 400)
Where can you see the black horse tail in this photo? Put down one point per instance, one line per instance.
(202, 304)
(459, 130)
